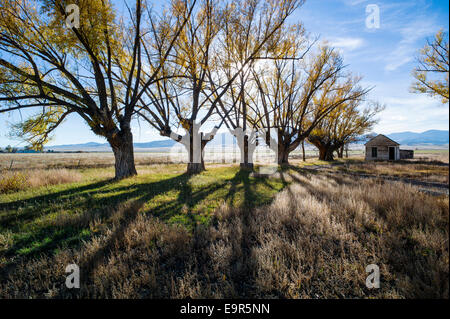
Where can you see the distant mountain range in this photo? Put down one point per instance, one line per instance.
(101, 147)
(431, 137)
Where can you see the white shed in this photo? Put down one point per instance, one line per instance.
(382, 147)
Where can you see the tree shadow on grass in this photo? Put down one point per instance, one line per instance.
(243, 268)
(187, 199)
(7, 220)
(239, 274)
(94, 203)
(73, 231)
(36, 234)
(81, 200)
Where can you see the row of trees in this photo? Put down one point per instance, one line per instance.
(8, 149)
(235, 63)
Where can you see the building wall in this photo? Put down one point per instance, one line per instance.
(406, 154)
(383, 152)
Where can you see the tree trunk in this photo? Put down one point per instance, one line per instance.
(246, 165)
(223, 148)
(341, 152)
(196, 168)
(303, 150)
(283, 154)
(326, 153)
(122, 146)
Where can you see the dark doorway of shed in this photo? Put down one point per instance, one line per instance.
(391, 153)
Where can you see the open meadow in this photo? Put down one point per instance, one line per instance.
(307, 231)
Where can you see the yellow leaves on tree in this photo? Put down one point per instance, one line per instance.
(432, 71)
(36, 130)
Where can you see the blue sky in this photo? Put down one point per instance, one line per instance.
(384, 57)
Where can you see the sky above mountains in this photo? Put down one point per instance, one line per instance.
(384, 57)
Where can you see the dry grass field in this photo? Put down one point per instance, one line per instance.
(223, 233)
(424, 171)
(73, 160)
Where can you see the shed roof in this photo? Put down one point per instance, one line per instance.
(381, 140)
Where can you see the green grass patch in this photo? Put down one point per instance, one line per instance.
(47, 219)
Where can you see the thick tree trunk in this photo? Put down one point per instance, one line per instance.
(246, 165)
(341, 152)
(283, 154)
(326, 153)
(284, 143)
(195, 168)
(122, 146)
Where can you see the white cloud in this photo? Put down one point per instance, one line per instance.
(144, 133)
(354, 2)
(417, 113)
(347, 44)
(398, 58)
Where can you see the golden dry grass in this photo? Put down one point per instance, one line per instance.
(441, 155)
(73, 160)
(13, 181)
(423, 171)
(313, 241)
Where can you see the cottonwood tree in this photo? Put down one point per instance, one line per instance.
(290, 39)
(432, 71)
(194, 83)
(93, 70)
(179, 99)
(295, 96)
(344, 125)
